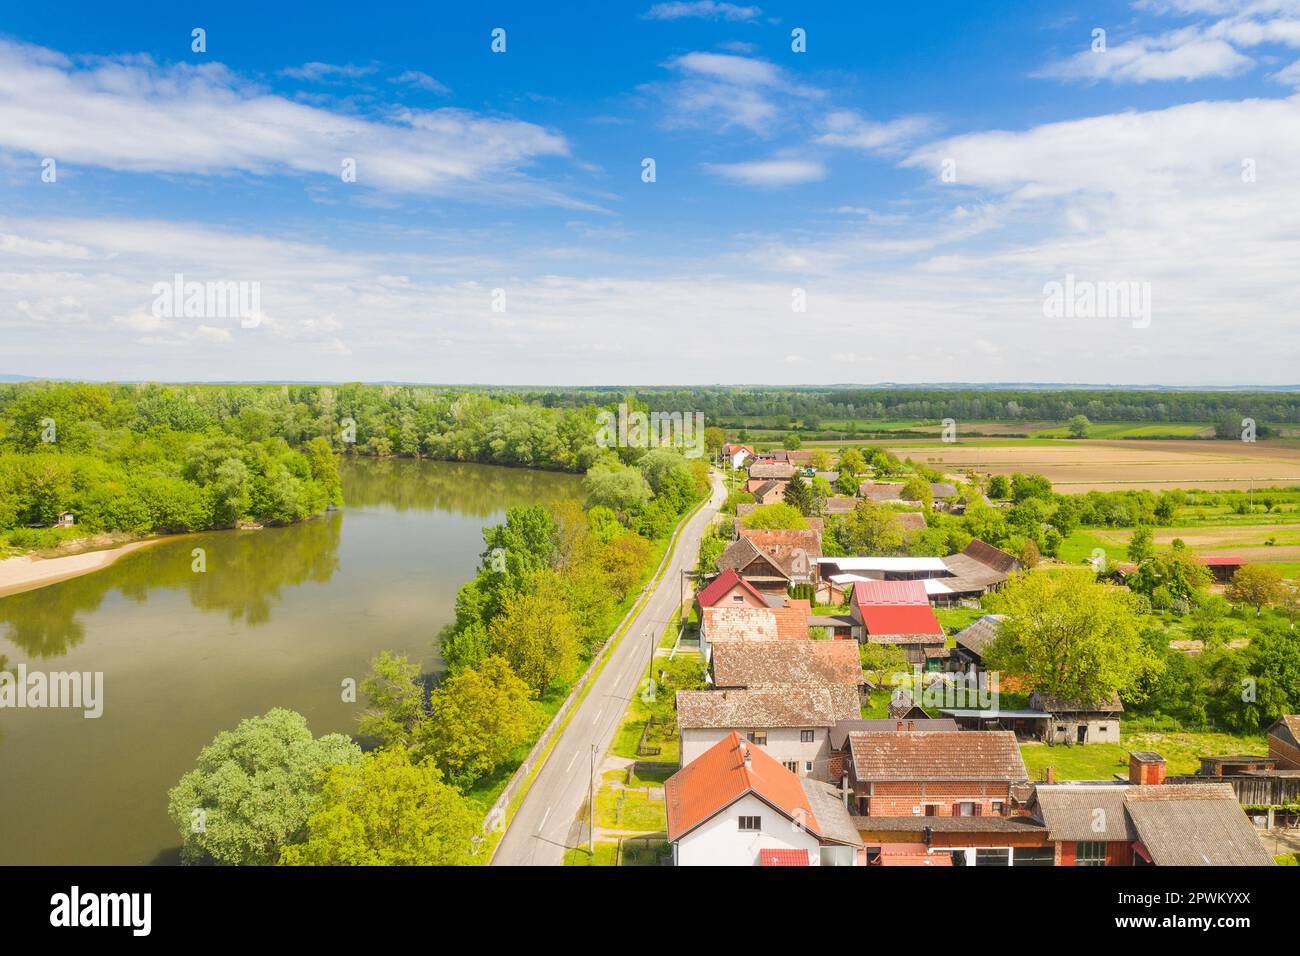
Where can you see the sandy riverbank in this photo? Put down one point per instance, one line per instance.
(26, 573)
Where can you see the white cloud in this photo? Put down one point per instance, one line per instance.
(323, 72)
(703, 9)
(720, 90)
(847, 128)
(133, 115)
(421, 81)
(770, 172)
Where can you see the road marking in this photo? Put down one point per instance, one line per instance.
(571, 762)
(544, 816)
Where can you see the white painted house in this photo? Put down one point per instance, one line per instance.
(736, 806)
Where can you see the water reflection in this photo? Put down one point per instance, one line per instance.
(468, 489)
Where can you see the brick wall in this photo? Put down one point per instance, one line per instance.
(901, 799)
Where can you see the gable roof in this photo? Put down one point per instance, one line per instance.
(881, 490)
(792, 551)
(839, 505)
(723, 583)
(730, 622)
(785, 706)
(896, 610)
(942, 489)
(774, 663)
(1287, 729)
(1089, 812)
(732, 449)
(978, 635)
(990, 556)
(1195, 824)
(911, 520)
(720, 776)
(936, 756)
(781, 470)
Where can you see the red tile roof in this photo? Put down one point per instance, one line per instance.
(936, 756)
(719, 777)
(723, 583)
(775, 857)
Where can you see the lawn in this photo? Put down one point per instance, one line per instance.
(620, 808)
(1103, 761)
(635, 853)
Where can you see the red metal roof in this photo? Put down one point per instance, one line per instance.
(1213, 560)
(882, 619)
(890, 592)
(775, 857)
(723, 583)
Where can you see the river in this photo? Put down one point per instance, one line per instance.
(279, 618)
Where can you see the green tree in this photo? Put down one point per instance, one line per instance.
(395, 700)
(387, 811)
(776, 515)
(851, 461)
(620, 488)
(1078, 426)
(792, 442)
(1259, 585)
(478, 717)
(797, 494)
(253, 789)
(1070, 637)
(870, 529)
(1142, 545)
(538, 636)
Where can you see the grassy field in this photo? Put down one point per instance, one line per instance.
(1115, 430)
(1103, 761)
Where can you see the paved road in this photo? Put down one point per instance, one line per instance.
(546, 824)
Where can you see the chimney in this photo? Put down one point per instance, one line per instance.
(1050, 775)
(744, 750)
(1146, 767)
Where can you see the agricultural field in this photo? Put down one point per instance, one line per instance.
(1116, 465)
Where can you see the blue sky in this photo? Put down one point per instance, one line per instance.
(816, 176)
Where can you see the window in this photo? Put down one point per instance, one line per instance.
(738, 599)
(751, 824)
(807, 736)
(807, 766)
(792, 766)
(1034, 856)
(932, 809)
(1090, 854)
(758, 737)
(997, 806)
(965, 809)
(993, 856)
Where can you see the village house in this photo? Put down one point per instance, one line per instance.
(1079, 723)
(1284, 742)
(729, 589)
(770, 470)
(766, 491)
(735, 805)
(791, 723)
(1269, 785)
(1147, 821)
(898, 613)
(737, 455)
(973, 641)
(774, 560)
(930, 773)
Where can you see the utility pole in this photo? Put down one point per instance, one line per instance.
(591, 806)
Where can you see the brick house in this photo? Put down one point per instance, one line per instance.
(932, 773)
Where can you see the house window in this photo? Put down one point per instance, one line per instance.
(993, 856)
(751, 824)
(966, 809)
(792, 766)
(932, 809)
(1034, 856)
(738, 599)
(807, 766)
(1090, 854)
(807, 736)
(758, 737)
(997, 806)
